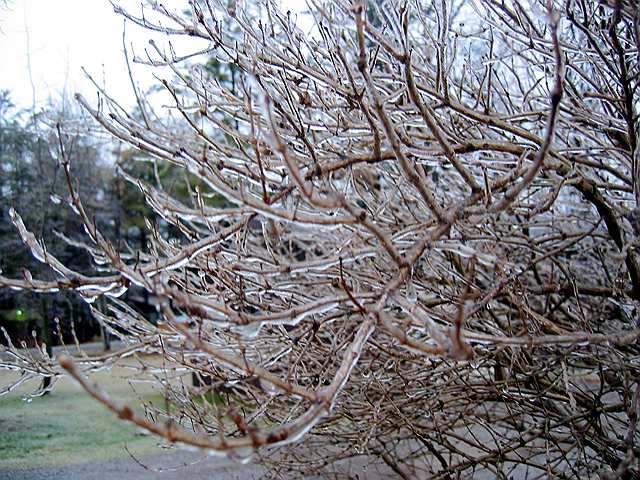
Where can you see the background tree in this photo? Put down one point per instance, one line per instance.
(428, 258)
(32, 184)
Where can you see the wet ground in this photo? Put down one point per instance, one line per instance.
(41, 456)
(164, 466)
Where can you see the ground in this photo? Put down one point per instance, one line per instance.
(68, 435)
(164, 466)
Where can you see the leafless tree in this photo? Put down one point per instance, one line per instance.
(428, 259)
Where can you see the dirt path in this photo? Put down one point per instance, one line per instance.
(164, 466)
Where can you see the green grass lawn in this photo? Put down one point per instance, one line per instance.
(67, 426)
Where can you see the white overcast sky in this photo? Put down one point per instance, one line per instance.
(62, 36)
